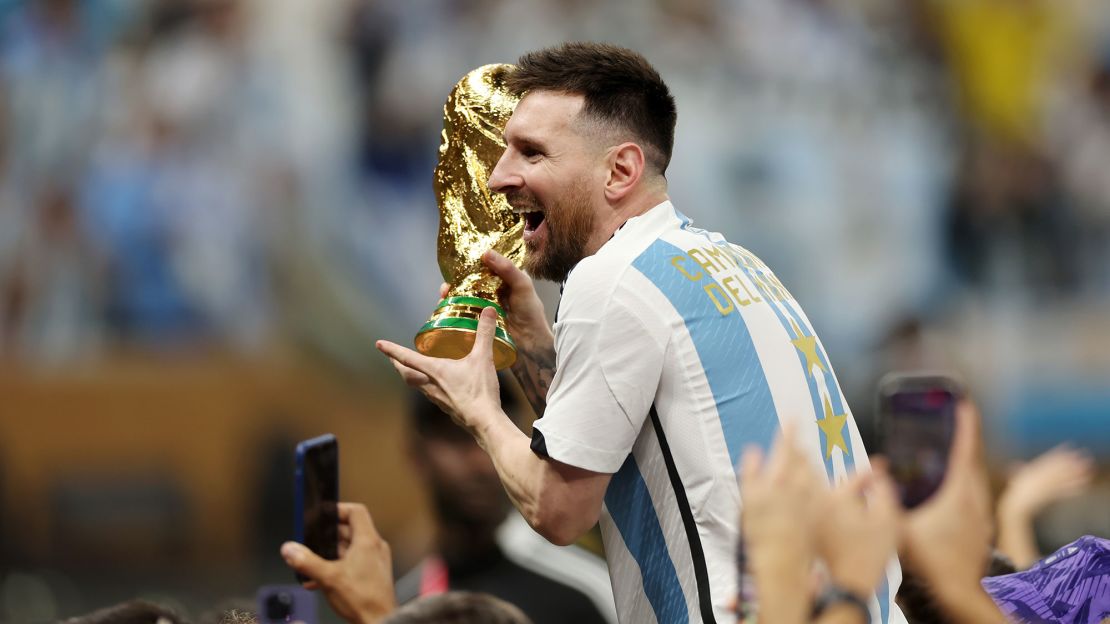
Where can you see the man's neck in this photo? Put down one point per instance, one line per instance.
(632, 207)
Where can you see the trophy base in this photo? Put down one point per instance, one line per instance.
(451, 331)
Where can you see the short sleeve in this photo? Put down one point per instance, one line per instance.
(608, 364)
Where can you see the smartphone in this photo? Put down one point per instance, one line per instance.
(316, 496)
(917, 419)
(285, 604)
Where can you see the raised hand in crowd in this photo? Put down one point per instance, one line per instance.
(947, 539)
(1055, 475)
(782, 498)
(358, 585)
(790, 516)
(859, 531)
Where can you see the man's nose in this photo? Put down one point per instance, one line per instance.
(502, 178)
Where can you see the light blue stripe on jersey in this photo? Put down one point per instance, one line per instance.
(814, 393)
(725, 348)
(882, 595)
(835, 400)
(837, 403)
(633, 512)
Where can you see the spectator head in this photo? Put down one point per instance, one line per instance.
(458, 608)
(130, 612)
(230, 611)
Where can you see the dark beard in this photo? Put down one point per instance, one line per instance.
(569, 225)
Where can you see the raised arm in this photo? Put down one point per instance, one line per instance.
(559, 501)
(947, 538)
(1054, 475)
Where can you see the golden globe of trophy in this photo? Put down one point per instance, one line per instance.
(472, 218)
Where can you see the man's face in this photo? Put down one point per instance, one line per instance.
(551, 172)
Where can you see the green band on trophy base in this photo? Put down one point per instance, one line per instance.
(468, 324)
(451, 331)
(477, 302)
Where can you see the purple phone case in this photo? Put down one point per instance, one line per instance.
(302, 604)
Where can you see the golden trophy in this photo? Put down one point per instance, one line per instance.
(472, 218)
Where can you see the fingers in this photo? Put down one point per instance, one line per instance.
(784, 450)
(966, 444)
(884, 493)
(506, 270)
(358, 518)
(444, 288)
(858, 483)
(304, 561)
(408, 357)
(965, 489)
(1063, 460)
(412, 377)
(483, 341)
(750, 462)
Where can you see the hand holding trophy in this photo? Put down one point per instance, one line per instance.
(472, 218)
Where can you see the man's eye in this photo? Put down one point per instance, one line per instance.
(531, 153)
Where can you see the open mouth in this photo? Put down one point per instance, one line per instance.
(532, 220)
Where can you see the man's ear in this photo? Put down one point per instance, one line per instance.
(626, 168)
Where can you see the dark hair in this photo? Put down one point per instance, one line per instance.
(458, 607)
(130, 612)
(618, 85)
(917, 601)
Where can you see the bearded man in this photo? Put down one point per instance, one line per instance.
(672, 349)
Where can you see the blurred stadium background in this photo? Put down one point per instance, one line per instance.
(209, 209)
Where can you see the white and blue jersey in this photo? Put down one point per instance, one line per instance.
(674, 350)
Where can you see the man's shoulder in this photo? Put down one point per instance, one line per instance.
(595, 278)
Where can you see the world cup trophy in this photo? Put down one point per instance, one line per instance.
(472, 218)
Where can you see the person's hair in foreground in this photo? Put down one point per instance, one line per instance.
(458, 607)
(622, 92)
(130, 612)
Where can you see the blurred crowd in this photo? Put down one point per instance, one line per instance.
(234, 173)
(927, 176)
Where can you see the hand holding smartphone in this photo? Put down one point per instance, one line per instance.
(917, 420)
(316, 496)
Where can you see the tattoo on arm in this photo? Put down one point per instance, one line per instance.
(535, 369)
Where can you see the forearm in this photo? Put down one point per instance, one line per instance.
(535, 368)
(517, 466)
(1015, 536)
(554, 506)
(841, 614)
(969, 604)
(782, 576)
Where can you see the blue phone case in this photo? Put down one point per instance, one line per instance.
(303, 449)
